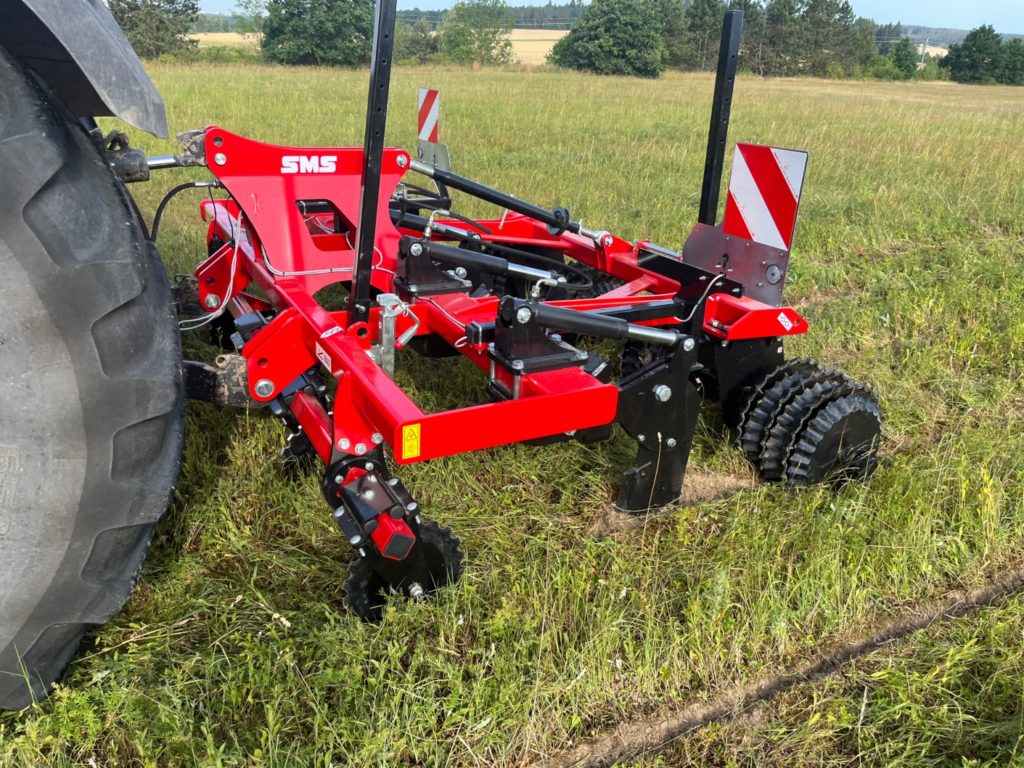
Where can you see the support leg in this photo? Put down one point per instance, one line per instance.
(660, 408)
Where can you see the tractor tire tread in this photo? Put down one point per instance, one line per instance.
(71, 228)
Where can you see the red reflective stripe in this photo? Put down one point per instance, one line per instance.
(773, 186)
(733, 223)
(429, 100)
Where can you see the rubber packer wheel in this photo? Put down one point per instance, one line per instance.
(90, 382)
(766, 401)
(839, 444)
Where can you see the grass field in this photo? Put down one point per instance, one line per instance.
(908, 260)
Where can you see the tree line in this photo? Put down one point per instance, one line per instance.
(550, 16)
(822, 38)
(985, 57)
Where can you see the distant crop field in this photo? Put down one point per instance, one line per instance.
(571, 618)
(207, 39)
(531, 46)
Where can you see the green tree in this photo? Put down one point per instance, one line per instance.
(978, 59)
(755, 35)
(786, 37)
(614, 37)
(931, 71)
(863, 47)
(415, 44)
(320, 32)
(886, 36)
(673, 30)
(156, 27)
(703, 34)
(829, 26)
(904, 56)
(250, 16)
(477, 32)
(1012, 71)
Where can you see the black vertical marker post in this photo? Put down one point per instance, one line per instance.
(373, 153)
(718, 133)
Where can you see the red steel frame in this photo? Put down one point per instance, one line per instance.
(289, 256)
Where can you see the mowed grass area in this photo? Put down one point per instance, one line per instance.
(236, 650)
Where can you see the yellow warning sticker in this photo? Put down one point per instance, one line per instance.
(410, 441)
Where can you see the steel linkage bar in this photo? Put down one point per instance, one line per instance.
(557, 219)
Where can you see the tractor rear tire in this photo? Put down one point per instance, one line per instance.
(91, 398)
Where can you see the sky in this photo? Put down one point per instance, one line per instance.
(1005, 15)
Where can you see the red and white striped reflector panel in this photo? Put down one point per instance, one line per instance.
(764, 194)
(430, 114)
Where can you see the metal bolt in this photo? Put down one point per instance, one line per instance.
(518, 365)
(641, 438)
(461, 272)
(264, 387)
(393, 482)
(671, 442)
(362, 552)
(343, 444)
(607, 241)
(663, 393)
(360, 449)
(688, 345)
(212, 301)
(338, 479)
(220, 158)
(377, 438)
(523, 315)
(416, 591)
(415, 249)
(356, 540)
(368, 466)
(368, 494)
(402, 161)
(411, 506)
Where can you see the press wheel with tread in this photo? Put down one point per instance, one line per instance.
(90, 385)
(366, 592)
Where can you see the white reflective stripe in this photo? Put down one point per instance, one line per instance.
(793, 165)
(752, 206)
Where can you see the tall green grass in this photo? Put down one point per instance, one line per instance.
(908, 261)
(950, 695)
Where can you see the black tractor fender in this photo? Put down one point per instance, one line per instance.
(78, 49)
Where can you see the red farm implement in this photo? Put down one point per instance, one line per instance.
(573, 329)
(522, 296)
